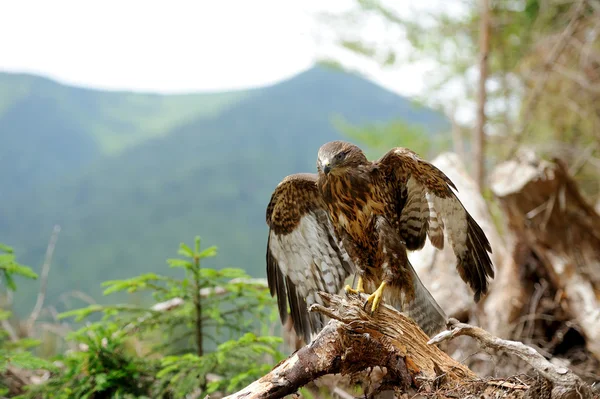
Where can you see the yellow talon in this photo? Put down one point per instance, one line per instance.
(375, 297)
(359, 287)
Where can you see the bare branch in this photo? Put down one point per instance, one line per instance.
(209, 292)
(578, 78)
(39, 304)
(218, 290)
(565, 382)
(10, 330)
(354, 341)
(583, 159)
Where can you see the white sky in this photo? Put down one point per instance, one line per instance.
(176, 46)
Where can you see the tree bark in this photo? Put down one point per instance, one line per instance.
(354, 341)
(479, 132)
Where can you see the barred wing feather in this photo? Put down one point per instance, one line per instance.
(304, 255)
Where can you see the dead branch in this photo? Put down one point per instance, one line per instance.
(209, 292)
(12, 333)
(355, 341)
(218, 290)
(565, 383)
(174, 303)
(39, 304)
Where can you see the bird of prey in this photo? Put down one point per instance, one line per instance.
(361, 217)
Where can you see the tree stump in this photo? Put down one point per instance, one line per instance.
(557, 228)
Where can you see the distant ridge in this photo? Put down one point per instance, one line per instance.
(20, 78)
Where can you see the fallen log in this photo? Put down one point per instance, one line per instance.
(355, 341)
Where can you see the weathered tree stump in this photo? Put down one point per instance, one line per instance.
(557, 228)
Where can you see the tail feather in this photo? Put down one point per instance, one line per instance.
(422, 308)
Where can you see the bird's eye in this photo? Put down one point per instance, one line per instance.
(339, 156)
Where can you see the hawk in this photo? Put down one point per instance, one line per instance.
(361, 217)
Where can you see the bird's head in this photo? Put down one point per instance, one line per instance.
(336, 156)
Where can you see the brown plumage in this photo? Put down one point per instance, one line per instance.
(361, 217)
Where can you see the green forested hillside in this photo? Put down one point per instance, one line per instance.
(128, 176)
(48, 129)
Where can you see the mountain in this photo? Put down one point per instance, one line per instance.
(49, 129)
(129, 176)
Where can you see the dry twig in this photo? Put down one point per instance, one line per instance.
(565, 382)
(39, 304)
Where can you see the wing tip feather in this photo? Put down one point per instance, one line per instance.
(276, 284)
(476, 267)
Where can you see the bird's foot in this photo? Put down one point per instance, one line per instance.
(359, 288)
(350, 290)
(375, 298)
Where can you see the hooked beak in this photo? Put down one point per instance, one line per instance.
(327, 168)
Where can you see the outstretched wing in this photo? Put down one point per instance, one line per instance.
(304, 255)
(427, 206)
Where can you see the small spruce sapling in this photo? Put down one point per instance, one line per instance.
(207, 333)
(15, 351)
